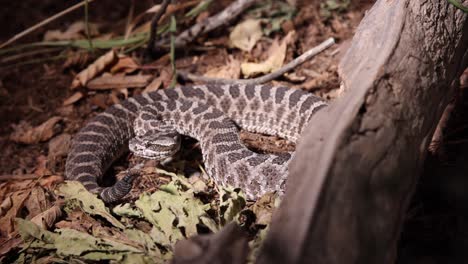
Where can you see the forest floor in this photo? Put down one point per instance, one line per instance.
(40, 112)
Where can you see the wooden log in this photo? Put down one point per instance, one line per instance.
(359, 160)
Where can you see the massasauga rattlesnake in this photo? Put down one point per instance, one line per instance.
(206, 113)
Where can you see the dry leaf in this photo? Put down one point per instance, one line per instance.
(263, 208)
(74, 31)
(9, 244)
(37, 202)
(153, 86)
(246, 34)
(58, 148)
(125, 64)
(5, 205)
(47, 218)
(293, 77)
(25, 133)
(145, 27)
(99, 100)
(229, 71)
(119, 82)
(277, 54)
(50, 182)
(82, 78)
(41, 167)
(72, 99)
(7, 220)
(153, 9)
(76, 58)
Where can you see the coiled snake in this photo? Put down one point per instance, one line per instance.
(208, 113)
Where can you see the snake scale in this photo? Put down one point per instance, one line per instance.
(208, 113)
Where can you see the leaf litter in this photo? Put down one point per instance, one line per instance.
(142, 230)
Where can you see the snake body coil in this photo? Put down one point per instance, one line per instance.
(207, 113)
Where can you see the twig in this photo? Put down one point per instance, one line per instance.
(151, 49)
(265, 78)
(209, 24)
(44, 22)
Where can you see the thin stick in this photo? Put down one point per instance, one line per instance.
(209, 24)
(265, 78)
(44, 22)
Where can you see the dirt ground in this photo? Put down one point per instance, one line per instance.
(435, 230)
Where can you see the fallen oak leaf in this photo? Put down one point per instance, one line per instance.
(245, 35)
(75, 191)
(7, 220)
(37, 202)
(229, 71)
(26, 134)
(277, 55)
(119, 82)
(47, 218)
(95, 68)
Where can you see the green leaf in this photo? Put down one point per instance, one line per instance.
(74, 191)
(126, 210)
(170, 210)
(69, 242)
(231, 204)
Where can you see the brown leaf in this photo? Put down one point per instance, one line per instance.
(37, 202)
(229, 71)
(119, 82)
(58, 148)
(277, 54)
(246, 34)
(5, 206)
(26, 134)
(153, 86)
(7, 221)
(72, 99)
(41, 167)
(82, 78)
(263, 208)
(50, 182)
(47, 218)
(125, 64)
(99, 100)
(76, 58)
(9, 244)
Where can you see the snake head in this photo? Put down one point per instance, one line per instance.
(156, 146)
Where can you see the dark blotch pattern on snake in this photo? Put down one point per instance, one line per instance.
(207, 113)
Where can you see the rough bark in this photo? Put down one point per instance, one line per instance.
(358, 161)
